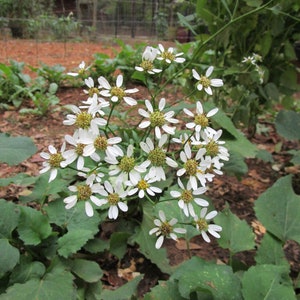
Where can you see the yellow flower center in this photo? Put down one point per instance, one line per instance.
(117, 91)
(113, 199)
(202, 225)
(83, 192)
(79, 149)
(147, 65)
(187, 196)
(157, 119)
(204, 81)
(157, 157)
(126, 164)
(92, 91)
(142, 184)
(165, 228)
(55, 160)
(83, 120)
(212, 148)
(100, 143)
(168, 55)
(191, 167)
(201, 120)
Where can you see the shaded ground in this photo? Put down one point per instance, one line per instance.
(239, 194)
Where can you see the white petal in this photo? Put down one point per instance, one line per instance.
(209, 71)
(205, 237)
(211, 215)
(89, 209)
(159, 242)
(212, 112)
(161, 104)
(195, 74)
(123, 206)
(119, 81)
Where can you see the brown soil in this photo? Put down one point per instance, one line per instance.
(240, 194)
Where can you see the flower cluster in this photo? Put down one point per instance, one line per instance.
(113, 171)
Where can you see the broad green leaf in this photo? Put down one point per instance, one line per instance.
(27, 270)
(73, 241)
(236, 234)
(33, 226)
(20, 179)
(167, 290)
(58, 284)
(118, 244)
(218, 281)
(93, 291)
(14, 150)
(287, 124)
(96, 245)
(236, 165)
(278, 209)
(9, 257)
(146, 242)
(87, 270)
(271, 252)
(9, 218)
(124, 292)
(267, 282)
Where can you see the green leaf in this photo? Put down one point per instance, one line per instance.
(118, 244)
(147, 242)
(33, 226)
(167, 290)
(87, 270)
(9, 218)
(271, 252)
(236, 165)
(278, 209)
(22, 179)
(236, 234)
(267, 282)
(73, 241)
(287, 124)
(14, 150)
(9, 257)
(93, 291)
(218, 281)
(124, 292)
(58, 284)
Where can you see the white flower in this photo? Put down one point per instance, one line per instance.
(201, 120)
(84, 119)
(147, 65)
(205, 83)
(143, 186)
(203, 226)
(126, 167)
(55, 161)
(168, 55)
(165, 229)
(92, 90)
(186, 198)
(249, 60)
(95, 144)
(157, 119)
(191, 166)
(91, 175)
(82, 70)
(157, 158)
(113, 197)
(84, 193)
(182, 139)
(117, 93)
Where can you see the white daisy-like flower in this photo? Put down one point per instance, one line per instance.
(204, 82)
(54, 161)
(92, 90)
(91, 175)
(182, 139)
(157, 119)
(202, 224)
(187, 198)
(168, 55)
(165, 229)
(147, 65)
(95, 144)
(84, 192)
(84, 119)
(117, 92)
(249, 60)
(142, 187)
(191, 167)
(201, 119)
(75, 153)
(157, 158)
(113, 197)
(126, 167)
(81, 70)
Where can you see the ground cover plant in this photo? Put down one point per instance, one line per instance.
(135, 173)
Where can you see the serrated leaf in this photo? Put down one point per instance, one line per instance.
(271, 252)
(287, 124)
(236, 234)
(73, 241)
(33, 226)
(278, 209)
(9, 256)
(14, 150)
(167, 290)
(87, 270)
(9, 218)
(124, 292)
(146, 242)
(57, 284)
(270, 282)
(218, 281)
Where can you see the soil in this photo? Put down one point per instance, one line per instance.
(240, 193)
